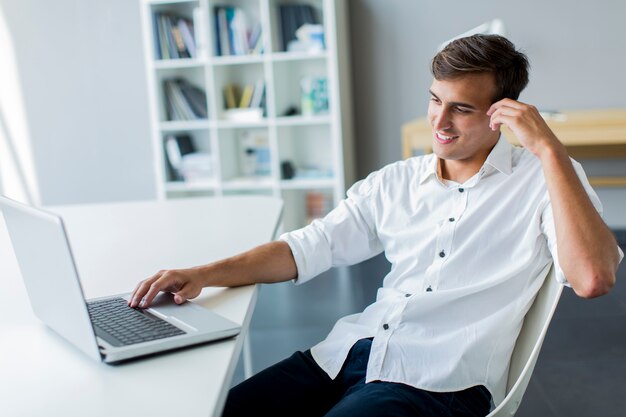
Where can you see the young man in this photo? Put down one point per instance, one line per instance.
(470, 231)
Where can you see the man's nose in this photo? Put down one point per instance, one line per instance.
(441, 120)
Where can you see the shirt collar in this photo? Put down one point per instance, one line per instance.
(499, 158)
(431, 169)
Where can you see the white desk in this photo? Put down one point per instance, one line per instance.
(115, 245)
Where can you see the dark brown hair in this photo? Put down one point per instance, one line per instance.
(484, 53)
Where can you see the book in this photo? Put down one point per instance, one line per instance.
(183, 100)
(181, 50)
(185, 27)
(199, 33)
(196, 99)
(230, 15)
(222, 32)
(156, 39)
(171, 43)
(246, 96)
(256, 100)
(165, 52)
(255, 40)
(238, 32)
(231, 96)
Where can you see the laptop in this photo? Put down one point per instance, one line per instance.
(106, 328)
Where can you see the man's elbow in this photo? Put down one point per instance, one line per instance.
(595, 284)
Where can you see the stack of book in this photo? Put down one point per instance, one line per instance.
(173, 37)
(244, 105)
(232, 36)
(184, 101)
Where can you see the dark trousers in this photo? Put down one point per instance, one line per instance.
(297, 386)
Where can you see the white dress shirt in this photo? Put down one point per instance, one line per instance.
(466, 263)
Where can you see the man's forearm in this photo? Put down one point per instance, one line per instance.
(587, 249)
(272, 262)
(268, 263)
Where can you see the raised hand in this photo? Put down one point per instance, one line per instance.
(526, 123)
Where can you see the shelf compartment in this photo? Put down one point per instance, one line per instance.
(246, 157)
(235, 43)
(174, 30)
(278, 44)
(188, 157)
(194, 77)
(288, 93)
(308, 149)
(240, 76)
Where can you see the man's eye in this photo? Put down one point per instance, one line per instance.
(461, 110)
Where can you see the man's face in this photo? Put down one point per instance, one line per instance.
(457, 113)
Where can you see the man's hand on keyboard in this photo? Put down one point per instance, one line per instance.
(183, 283)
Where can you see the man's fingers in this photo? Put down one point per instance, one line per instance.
(179, 299)
(502, 116)
(167, 282)
(186, 293)
(142, 288)
(179, 282)
(505, 102)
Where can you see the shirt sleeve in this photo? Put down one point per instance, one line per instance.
(345, 236)
(548, 227)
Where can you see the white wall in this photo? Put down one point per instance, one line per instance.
(577, 52)
(82, 75)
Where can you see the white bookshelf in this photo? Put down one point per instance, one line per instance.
(318, 146)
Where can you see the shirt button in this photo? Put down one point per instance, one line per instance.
(442, 254)
(461, 190)
(407, 295)
(429, 289)
(385, 326)
(451, 219)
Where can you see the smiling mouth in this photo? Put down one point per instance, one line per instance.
(441, 138)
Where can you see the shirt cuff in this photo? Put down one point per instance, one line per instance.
(311, 241)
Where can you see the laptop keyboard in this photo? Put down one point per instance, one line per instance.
(121, 325)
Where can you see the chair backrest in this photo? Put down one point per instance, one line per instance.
(528, 344)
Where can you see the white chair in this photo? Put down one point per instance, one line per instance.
(528, 345)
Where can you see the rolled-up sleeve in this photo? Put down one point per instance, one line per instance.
(345, 236)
